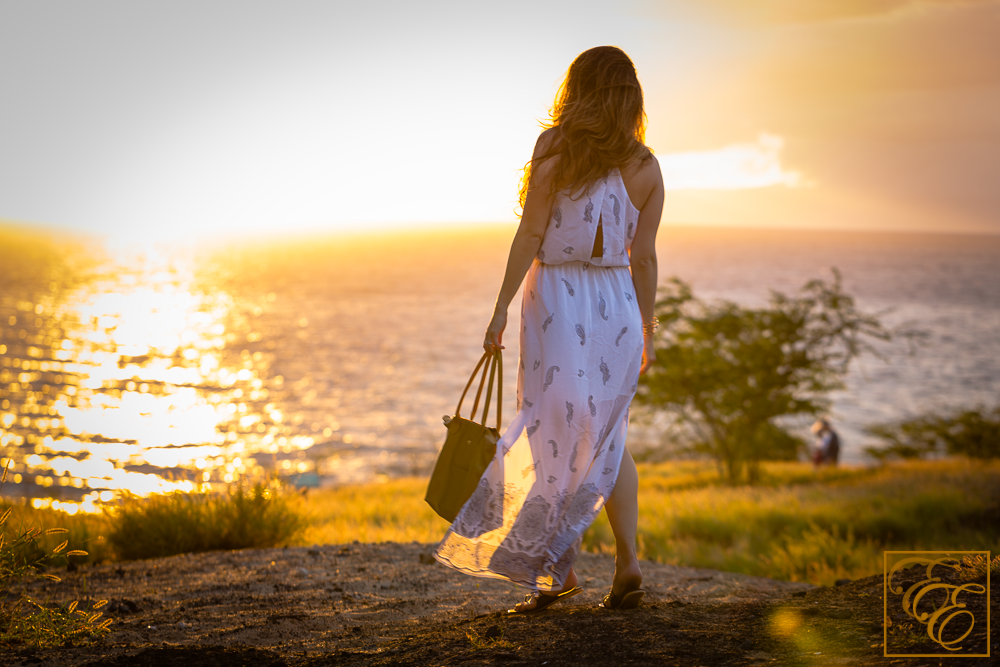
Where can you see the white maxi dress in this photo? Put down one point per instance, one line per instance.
(580, 354)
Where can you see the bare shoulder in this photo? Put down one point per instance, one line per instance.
(543, 158)
(547, 141)
(642, 179)
(646, 170)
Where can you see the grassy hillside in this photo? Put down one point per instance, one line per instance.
(799, 524)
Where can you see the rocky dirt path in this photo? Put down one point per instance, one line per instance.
(384, 604)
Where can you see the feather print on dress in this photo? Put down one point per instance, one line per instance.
(628, 232)
(618, 210)
(620, 334)
(554, 507)
(568, 250)
(569, 414)
(558, 217)
(588, 211)
(582, 334)
(569, 288)
(541, 255)
(537, 363)
(548, 378)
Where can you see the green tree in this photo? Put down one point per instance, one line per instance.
(728, 373)
(973, 433)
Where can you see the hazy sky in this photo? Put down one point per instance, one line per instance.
(169, 119)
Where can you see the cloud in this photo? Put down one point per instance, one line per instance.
(771, 12)
(945, 49)
(736, 167)
(904, 109)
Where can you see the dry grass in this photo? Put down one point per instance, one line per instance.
(24, 620)
(799, 524)
(813, 527)
(393, 511)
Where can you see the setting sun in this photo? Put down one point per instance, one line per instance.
(316, 120)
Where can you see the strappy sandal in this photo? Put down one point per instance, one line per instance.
(545, 600)
(628, 600)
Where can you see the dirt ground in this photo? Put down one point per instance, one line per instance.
(391, 604)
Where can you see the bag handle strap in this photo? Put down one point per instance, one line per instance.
(489, 391)
(495, 372)
(458, 410)
(479, 392)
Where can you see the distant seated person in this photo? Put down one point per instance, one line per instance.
(827, 444)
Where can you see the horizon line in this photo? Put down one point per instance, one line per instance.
(428, 227)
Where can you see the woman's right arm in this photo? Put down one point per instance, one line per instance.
(527, 240)
(642, 257)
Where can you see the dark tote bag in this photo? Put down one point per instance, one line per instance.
(469, 446)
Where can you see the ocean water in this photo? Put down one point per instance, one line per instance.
(331, 359)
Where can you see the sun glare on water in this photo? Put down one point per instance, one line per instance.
(307, 359)
(122, 384)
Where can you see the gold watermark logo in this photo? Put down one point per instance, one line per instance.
(932, 591)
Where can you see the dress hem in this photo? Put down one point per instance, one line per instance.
(488, 574)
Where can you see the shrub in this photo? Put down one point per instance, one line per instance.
(973, 433)
(176, 523)
(731, 375)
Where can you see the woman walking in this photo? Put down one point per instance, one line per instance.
(592, 196)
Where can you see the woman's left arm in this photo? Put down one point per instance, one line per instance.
(527, 240)
(642, 257)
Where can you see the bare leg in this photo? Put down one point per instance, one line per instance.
(623, 515)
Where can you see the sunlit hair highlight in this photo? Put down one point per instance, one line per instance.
(599, 117)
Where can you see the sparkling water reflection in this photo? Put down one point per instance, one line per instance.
(332, 360)
(121, 379)
(176, 372)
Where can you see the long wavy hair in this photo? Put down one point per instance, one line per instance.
(599, 116)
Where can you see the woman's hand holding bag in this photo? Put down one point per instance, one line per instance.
(469, 446)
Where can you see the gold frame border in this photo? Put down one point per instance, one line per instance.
(885, 608)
